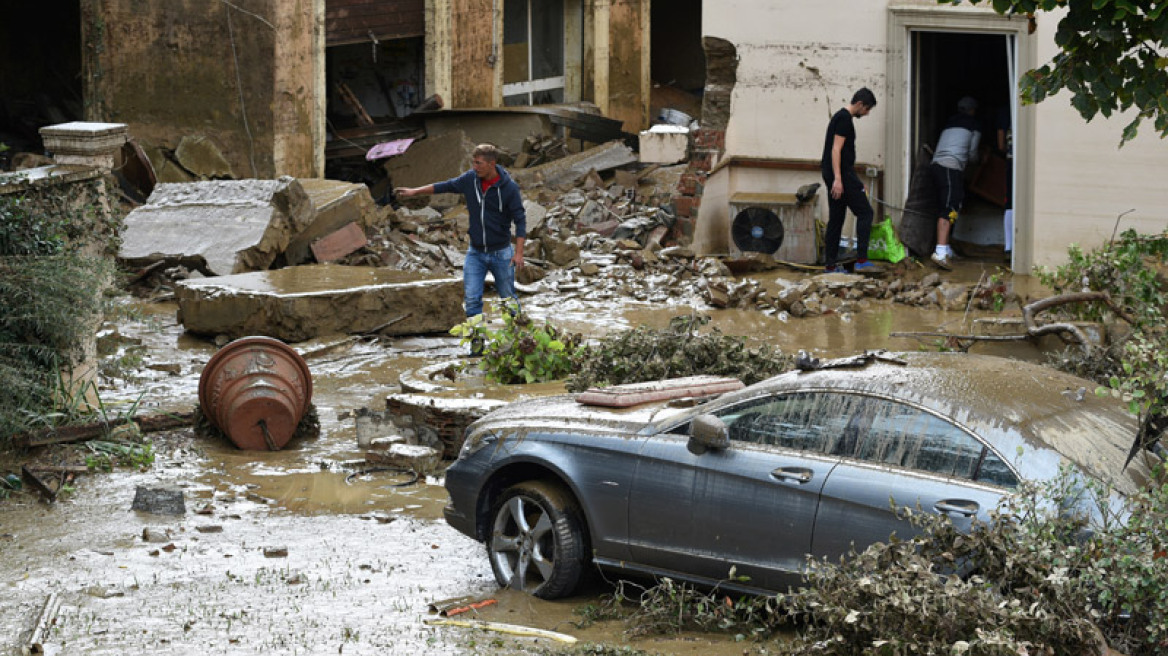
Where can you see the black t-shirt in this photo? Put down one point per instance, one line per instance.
(841, 124)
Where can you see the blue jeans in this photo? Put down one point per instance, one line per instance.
(474, 273)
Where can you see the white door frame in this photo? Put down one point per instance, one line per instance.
(902, 22)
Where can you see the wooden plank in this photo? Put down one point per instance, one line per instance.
(63, 434)
(473, 30)
(39, 484)
(350, 99)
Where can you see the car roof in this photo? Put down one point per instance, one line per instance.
(1009, 402)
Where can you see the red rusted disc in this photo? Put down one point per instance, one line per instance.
(256, 390)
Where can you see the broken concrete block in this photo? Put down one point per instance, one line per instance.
(422, 459)
(665, 144)
(573, 167)
(166, 169)
(444, 417)
(335, 204)
(373, 425)
(536, 213)
(432, 160)
(167, 500)
(232, 225)
(336, 245)
(202, 157)
(299, 303)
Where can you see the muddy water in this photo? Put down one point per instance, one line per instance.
(366, 551)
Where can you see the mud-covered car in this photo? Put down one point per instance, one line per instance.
(808, 462)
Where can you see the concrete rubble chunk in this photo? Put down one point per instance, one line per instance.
(202, 157)
(299, 303)
(421, 459)
(335, 203)
(234, 226)
(165, 500)
(432, 159)
(664, 144)
(571, 168)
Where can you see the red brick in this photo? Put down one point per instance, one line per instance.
(715, 139)
(685, 206)
(338, 244)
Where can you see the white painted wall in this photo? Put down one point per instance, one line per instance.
(801, 60)
(1084, 180)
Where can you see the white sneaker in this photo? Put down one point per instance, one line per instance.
(942, 261)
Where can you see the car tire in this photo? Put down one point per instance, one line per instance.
(537, 542)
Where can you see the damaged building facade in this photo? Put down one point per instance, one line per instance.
(786, 67)
(260, 88)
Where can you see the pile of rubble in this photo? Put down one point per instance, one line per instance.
(842, 293)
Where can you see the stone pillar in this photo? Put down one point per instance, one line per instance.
(85, 144)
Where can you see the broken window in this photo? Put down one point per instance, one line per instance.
(533, 52)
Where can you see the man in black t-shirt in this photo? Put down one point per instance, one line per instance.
(845, 191)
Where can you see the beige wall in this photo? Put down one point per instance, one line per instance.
(800, 61)
(1084, 180)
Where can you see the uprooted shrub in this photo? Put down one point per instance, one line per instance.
(1133, 366)
(1038, 579)
(523, 350)
(644, 354)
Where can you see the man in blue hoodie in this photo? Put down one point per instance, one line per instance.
(494, 203)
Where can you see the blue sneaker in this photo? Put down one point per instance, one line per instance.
(835, 269)
(864, 266)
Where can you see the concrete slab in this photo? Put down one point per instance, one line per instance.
(336, 203)
(569, 169)
(299, 303)
(235, 226)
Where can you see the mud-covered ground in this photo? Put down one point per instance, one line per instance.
(303, 551)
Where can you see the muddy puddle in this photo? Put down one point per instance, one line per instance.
(308, 550)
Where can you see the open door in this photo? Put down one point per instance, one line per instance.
(944, 67)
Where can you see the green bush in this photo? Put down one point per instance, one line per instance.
(1134, 365)
(522, 351)
(644, 354)
(51, 298)
(1037, 579)
(45, 321)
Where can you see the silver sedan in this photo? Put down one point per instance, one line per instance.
(806, 463)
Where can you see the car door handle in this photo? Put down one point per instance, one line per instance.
(963, 507)
(798, 474)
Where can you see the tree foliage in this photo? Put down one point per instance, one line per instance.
(1113, 57)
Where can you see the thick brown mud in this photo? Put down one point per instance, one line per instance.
(308, 550)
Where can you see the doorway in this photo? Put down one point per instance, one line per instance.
(945, 67)
(40, 72)
(677, 60)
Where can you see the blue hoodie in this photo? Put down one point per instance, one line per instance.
(491, 213)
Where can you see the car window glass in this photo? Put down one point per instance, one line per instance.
(904, 436)
(995, 471)
(811, 421)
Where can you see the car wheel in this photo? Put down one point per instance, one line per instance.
(537, 542)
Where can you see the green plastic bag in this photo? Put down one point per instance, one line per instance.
(884, 245)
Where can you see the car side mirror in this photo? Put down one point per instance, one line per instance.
(707, 432)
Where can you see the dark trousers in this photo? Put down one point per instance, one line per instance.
(853, 199)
